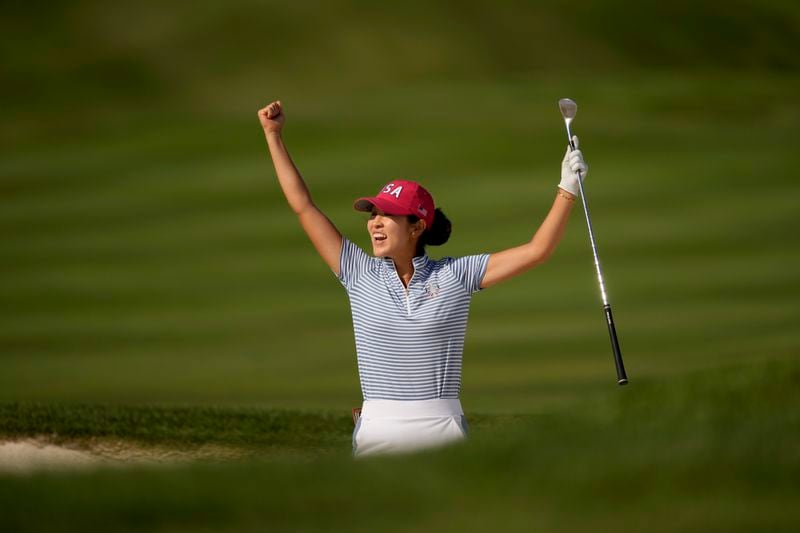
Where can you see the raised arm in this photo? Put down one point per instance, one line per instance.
(323, 234)
(513, 261)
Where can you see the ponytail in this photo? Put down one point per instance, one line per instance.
(437, 234)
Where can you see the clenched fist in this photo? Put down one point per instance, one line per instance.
(272, 117)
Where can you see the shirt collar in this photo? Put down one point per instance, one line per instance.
(419, 261)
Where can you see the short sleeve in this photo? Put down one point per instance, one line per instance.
(469, 270)
(353, 262)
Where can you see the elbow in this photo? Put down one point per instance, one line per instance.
(301, 207)
(546, 255)
(539, 255)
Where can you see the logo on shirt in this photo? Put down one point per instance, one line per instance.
(432, 289)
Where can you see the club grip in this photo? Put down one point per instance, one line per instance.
(622, 378)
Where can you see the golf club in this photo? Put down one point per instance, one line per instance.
(568, 110)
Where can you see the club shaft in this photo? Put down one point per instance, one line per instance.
(622, 377)
(591, 230)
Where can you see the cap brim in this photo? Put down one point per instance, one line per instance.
(390, 208)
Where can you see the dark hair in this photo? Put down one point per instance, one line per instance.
(437, 234)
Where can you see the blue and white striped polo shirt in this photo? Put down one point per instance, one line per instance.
(409, 342)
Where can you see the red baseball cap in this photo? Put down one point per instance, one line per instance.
(401, 197)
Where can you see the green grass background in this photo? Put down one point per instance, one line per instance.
(148, 257)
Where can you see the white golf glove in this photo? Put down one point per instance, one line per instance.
(572, 163)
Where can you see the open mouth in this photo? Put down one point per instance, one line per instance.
(378, 237)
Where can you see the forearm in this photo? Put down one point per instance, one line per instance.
(552, 229)
(292, 184)
(512, 261)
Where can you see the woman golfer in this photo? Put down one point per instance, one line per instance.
(410, 311)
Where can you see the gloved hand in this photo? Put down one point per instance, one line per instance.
(572, 163)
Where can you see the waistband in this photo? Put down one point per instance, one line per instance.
(411, 408)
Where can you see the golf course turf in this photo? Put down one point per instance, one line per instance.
(715, 450)
(157, 293)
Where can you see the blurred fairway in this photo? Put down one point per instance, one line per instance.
(148, 254)
(154, 286)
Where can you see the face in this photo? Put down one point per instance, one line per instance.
(393, 235)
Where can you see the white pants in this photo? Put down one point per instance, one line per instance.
(398, 426)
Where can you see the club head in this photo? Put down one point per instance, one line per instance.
(568, 108)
